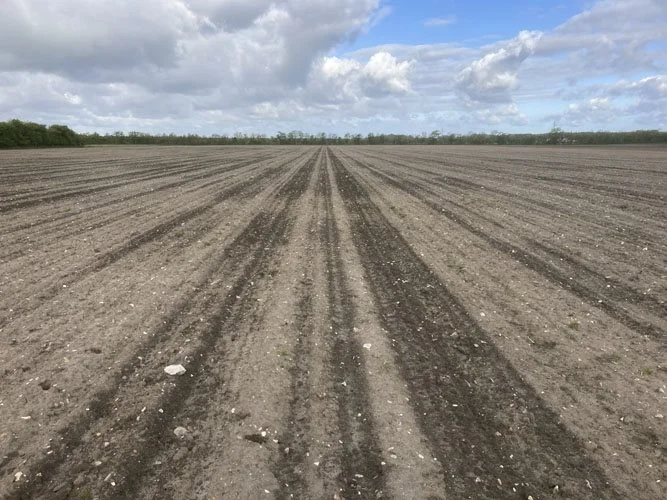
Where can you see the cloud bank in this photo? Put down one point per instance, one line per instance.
(217, 66)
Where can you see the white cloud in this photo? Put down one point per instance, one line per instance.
(612, 35)
(232, 65)
(651, 87)
(440, 21)
(493, 77)
(173, 44)
(384, 73)
(595, 110)
(338, 79)
(501, 115)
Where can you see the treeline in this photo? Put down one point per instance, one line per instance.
(555, 136)
(18, 134)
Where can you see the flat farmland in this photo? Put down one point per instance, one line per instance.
(354, 322)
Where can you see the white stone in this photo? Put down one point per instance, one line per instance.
(174, 370)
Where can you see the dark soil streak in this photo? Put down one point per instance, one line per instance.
(251, 252)
(135, 242)
(63, 230)
(127, 179)
(471, 403)
(432, 177)
(289, 466)
(289, 469)
(616, 291)
(615, 191)
(593, 298)
(264, 235)
(192, 399)
(179, 183)
(362, 470)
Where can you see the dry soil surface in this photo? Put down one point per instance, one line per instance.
(354, 322)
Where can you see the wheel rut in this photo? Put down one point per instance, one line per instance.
(609, 299)
(208, 172)
(357, 461)
(289, 468)
(139, 240)
(489, 429)
(362, 470)
(125, 180)
(248, 256)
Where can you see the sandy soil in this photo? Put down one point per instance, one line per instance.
(355, 322)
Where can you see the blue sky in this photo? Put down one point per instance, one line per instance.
(335, 66)
(474, 23)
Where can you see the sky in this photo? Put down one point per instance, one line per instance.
(334, 66)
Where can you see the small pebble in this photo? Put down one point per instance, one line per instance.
(174, 370)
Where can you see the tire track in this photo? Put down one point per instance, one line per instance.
(615, 192)
(289, 468)
(447, 181)
(611, 289)
(248, 257)
(269, 231)
(102, 399)
(601, 300)
(135, 242)
(616, 292)
(361, 463)
(178, 183)
(492, 433)
(126, 180)
(359, 459)
(60, 230)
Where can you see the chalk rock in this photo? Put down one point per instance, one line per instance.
(174, 370)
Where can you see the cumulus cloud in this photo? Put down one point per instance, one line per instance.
(613, 35)
(501, 115)
(162, 65)
(76, 37)
(383, 73)
(493, 77)
(174, 44)
(651, 87)
(350, 80)
(595, 110)
(650, 104)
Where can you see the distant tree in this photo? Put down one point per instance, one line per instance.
(18, 134)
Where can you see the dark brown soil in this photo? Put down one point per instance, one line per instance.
(362, 322)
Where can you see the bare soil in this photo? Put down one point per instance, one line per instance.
(355, 322)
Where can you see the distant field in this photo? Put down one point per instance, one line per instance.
(355, 322)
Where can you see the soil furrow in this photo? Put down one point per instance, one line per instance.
(135, 242)
(594, 298)
(492, 433)
(125, 180)
(564, 199)
(355, 322)
(69, 226)
(362, 469)
(609, 289)
(181, 183)
(289, 468)
(190, 400)
(246, 255)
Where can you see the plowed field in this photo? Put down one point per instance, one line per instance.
(355, 322)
